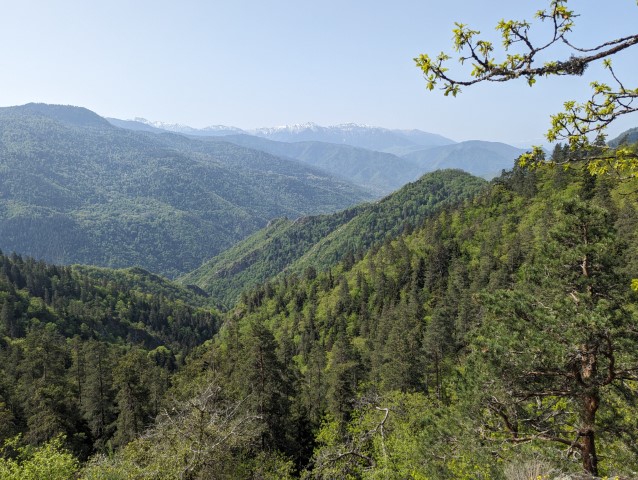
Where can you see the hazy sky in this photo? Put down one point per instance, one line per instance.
(254, 63)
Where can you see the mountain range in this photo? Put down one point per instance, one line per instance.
(364, 136)
(376, 158)
(481, 158)
(79, 188)
(76, 189)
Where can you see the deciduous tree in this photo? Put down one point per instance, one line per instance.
(524, 57)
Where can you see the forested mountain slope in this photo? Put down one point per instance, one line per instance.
(498, 336)
(629, 136)
(484, 159)
(88, 352)
(321, 241)
(75, 189)
(371, 169)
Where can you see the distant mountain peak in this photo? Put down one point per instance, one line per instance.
(354, 134)
(356, 126)
(212, 130)
(311, 126)
(294, 128)
(357, 135)
(222, 128)
(171, 127)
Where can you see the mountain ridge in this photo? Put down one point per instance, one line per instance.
(628, 136)
(478, 157)
(385, 159)
(381, 171)
(318, 242)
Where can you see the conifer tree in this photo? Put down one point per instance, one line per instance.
(138, 384)
(561, 341)
(266, 385)
(341, 380)
(42, 385)
(98, 401)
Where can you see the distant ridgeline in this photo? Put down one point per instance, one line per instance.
(374, 158)
(628, 137)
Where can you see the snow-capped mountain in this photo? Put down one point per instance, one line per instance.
(288, 129)
(398, 142)
(221, 130)
(373, 157)
(364, 136)
(213, 130)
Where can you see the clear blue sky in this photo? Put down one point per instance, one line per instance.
(254, 63)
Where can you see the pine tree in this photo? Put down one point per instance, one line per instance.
(562, 336)
(341, 380)
(138, 383)
(265, 384)
(98, 401)
(403, 365)
(43, 389)
(7, 319)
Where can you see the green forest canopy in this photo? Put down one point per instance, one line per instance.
(498, 335)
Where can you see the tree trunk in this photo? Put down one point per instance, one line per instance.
(591, 401)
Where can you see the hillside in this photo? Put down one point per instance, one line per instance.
(428, 355)
(471, 336)
(483, 159)
(629, 136)
(379, 171)
(75, 189)
(88, 352)
(321, 241)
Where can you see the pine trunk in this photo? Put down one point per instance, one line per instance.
(587, 432)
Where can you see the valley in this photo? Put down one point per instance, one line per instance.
(309, 309)
(319, 240)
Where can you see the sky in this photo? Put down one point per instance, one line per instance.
(257, 63)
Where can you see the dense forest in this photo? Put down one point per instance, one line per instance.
(320, 241)
(497, 337)
(87, 352)
(303, 302)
